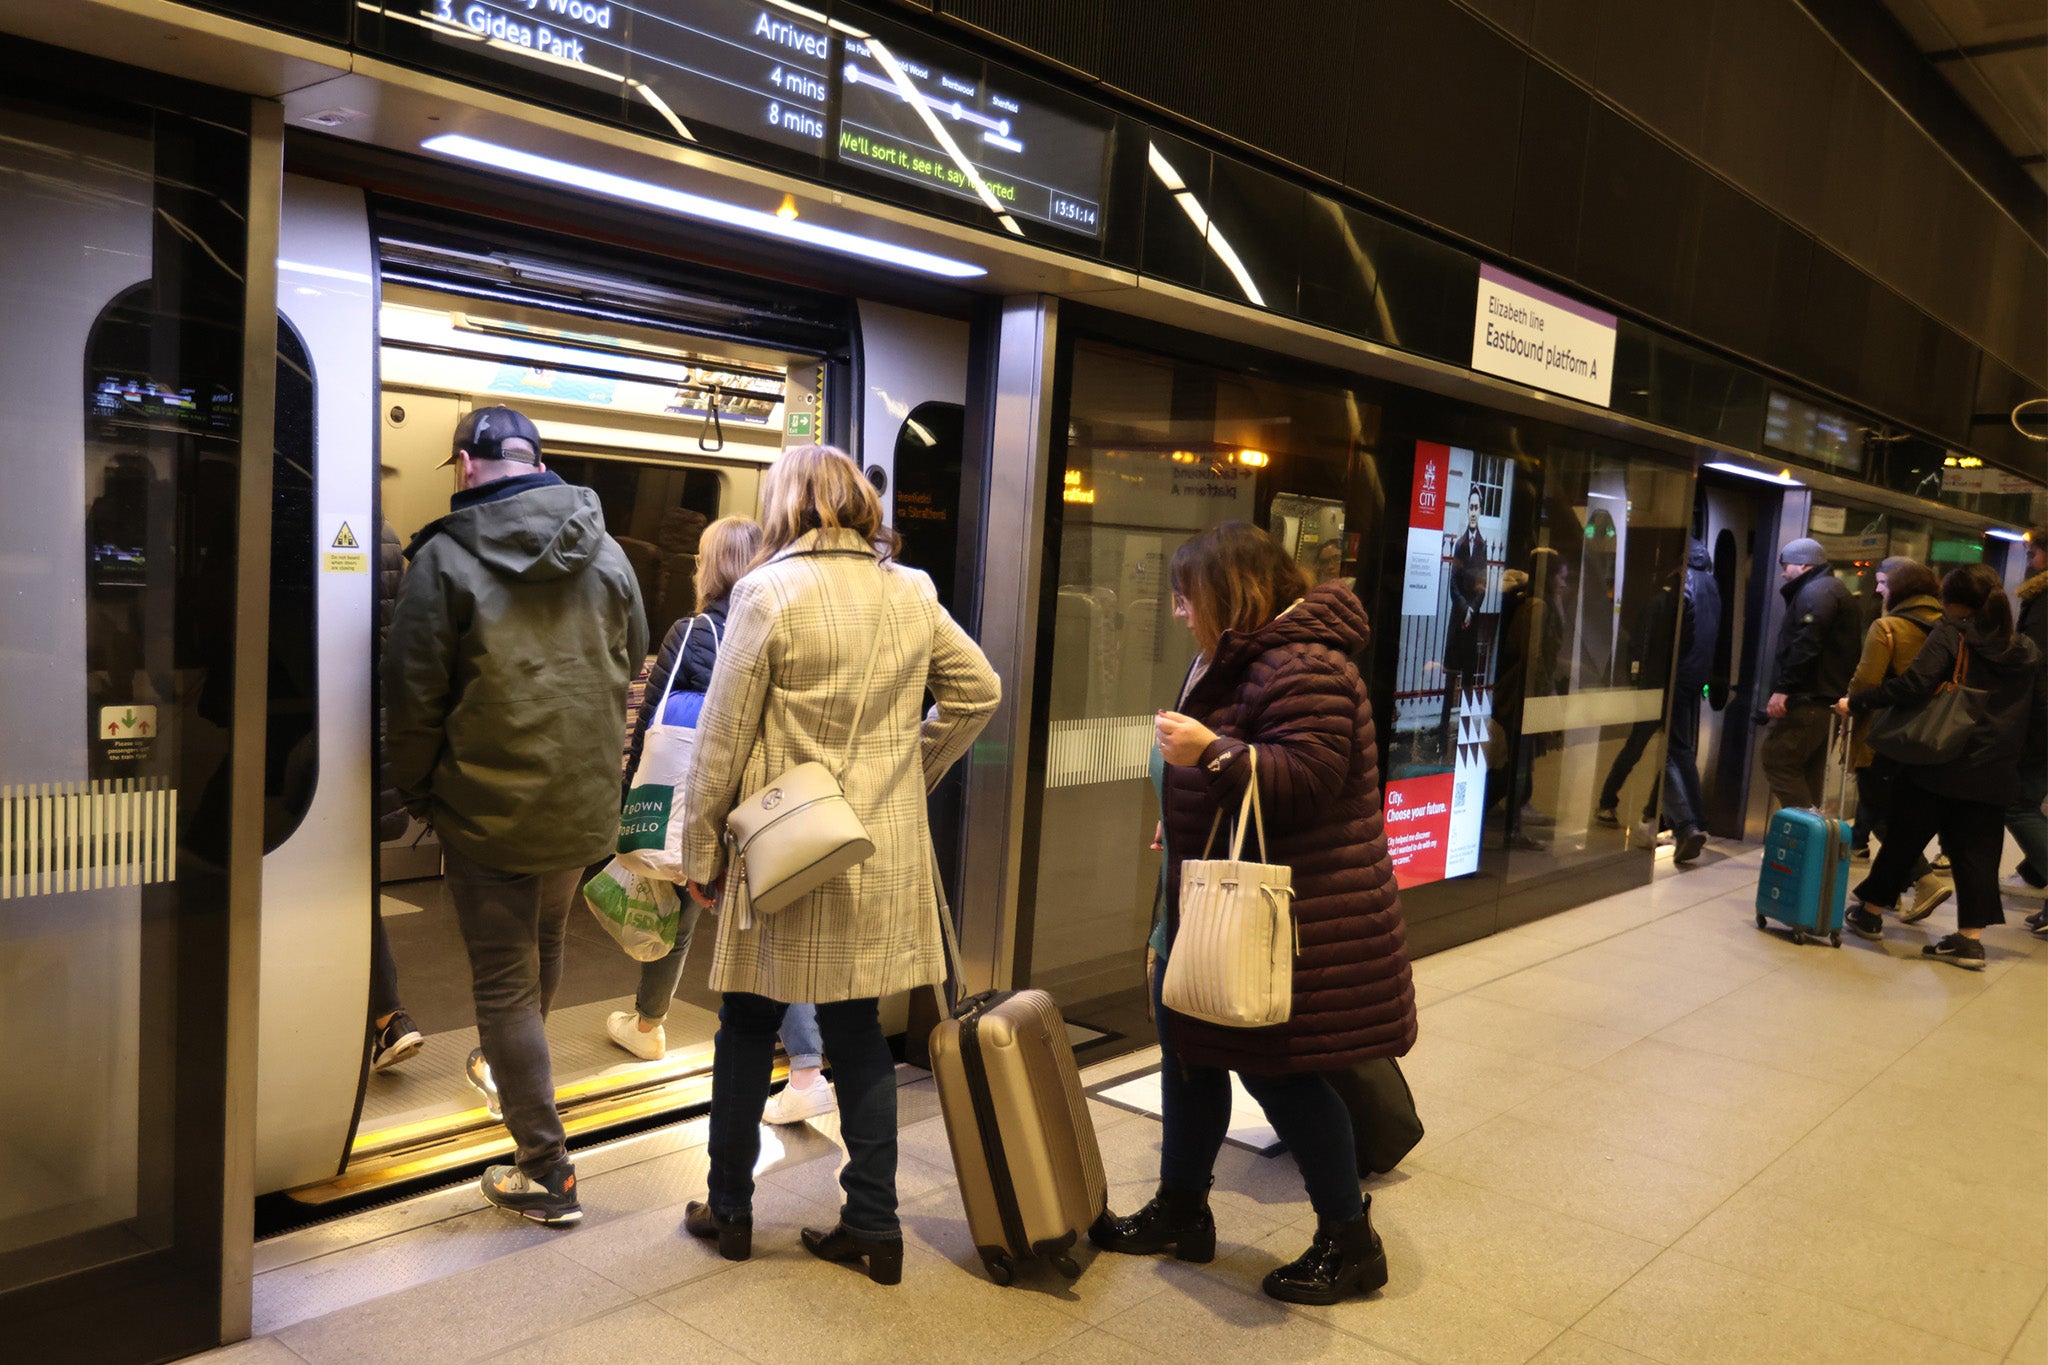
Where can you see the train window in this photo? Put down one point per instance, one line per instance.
(657, 513)
(927, 493)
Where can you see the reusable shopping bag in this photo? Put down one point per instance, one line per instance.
(651, 822)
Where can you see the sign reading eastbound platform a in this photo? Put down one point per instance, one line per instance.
(1537, 336)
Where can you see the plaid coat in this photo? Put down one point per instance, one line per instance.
(801, 634)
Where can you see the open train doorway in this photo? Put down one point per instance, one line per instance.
(1737, 520)
(666, 388)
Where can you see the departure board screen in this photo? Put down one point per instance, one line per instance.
(950, 125)
(914, 110)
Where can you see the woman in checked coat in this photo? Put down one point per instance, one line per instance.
(825, 609)
(1275, 676)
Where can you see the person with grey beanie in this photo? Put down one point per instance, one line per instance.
(1819, 643)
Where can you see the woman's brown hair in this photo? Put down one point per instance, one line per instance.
(1904, 578)
(1234, 577)
(726, 551)
(1976, 589)
(811, 488)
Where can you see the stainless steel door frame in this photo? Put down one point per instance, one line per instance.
(1018, 458)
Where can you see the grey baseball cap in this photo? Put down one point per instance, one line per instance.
(1804, 550)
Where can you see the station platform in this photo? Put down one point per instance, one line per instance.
(1654, 1133)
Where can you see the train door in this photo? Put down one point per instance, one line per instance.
(670, 404)
(1737, 519)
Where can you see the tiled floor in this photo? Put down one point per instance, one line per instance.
(1655, 1133)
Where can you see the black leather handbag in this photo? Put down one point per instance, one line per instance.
(1383, 1118)
(1936, 731)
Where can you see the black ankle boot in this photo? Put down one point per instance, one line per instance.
(1175, 1218)
(884, 1254)
(735, 1236)
(1344, 1258)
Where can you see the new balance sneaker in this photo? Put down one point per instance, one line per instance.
(794, 1104)
(1930, 891)
(624, 1027)
(1966, 953)
(551, 1199)
(2037, 924)
(480, 1076)
(1864, 922)
(396, 1041)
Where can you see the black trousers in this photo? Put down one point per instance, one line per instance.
(1684, 804)
(1972, 835)
(1639, 736)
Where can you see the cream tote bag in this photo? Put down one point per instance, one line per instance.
(651, 821)
(1233, 960)
(798, 832)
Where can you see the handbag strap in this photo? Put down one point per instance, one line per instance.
(682, 652)
(867, 679)
(1249, 807)
(1962, 673)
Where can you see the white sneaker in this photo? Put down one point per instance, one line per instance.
(624, 1027)
(2020, 886)
(794, 1104)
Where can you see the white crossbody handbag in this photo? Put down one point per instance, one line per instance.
(1232, 961)
(798, 832)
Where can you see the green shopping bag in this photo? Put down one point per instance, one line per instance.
(642, 913)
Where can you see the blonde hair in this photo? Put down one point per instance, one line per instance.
(725, 551)
(812, 488)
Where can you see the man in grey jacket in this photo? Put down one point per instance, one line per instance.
(1818, 646)
(516, 631)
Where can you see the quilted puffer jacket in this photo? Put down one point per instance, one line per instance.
(1289, 690)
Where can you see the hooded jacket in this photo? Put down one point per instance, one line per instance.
(2033, 607)
(2010, 673)
(1821, 639)
(1888, 650)
(1289, 690)
(516, 630)
(1700, 629)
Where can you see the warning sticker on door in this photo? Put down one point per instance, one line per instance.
(345, 553)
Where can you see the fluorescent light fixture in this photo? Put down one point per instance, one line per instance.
(1745, 472)
(2001, 533)
(686, 205)
(1199, 216)
(325, 272)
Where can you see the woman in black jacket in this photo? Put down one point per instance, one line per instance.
(1964, 799)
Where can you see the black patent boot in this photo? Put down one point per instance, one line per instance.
(1344, 1258)
(1175, 1218)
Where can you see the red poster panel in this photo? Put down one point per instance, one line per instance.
(1419, 827)
(1432, 486)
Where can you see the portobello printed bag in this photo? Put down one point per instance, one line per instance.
(651, 822)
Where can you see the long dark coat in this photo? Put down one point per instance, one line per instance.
(1290, 691)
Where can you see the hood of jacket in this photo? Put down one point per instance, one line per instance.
(1697, 557)
(1923, 609)
(1330, 615)
(2008, 654)
(2032, 588)
(536, 529)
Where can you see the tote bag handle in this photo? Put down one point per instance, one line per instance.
(682, 651)
(1249, 811)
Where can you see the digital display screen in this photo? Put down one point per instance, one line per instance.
(1820, 435)
(1446, 739)
(950, 126)
(775, 72)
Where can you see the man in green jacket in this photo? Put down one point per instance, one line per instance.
(516, 630)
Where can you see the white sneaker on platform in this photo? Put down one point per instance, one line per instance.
(624, 1027)
(794, 1104)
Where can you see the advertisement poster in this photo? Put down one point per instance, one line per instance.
(1450, 626)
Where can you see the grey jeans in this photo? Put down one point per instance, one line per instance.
(513, 924)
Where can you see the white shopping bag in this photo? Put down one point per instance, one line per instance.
(651, 824)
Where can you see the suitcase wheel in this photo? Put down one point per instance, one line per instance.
(1001, 1269)
(1799, 937)
(1762, 923)
(1067, 1266)
(1836, 938)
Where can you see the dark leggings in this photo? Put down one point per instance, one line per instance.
(1302, 1107)
(1972, 835)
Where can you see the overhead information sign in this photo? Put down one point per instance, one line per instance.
(955, 131)
(1537, 336)
(925, 114)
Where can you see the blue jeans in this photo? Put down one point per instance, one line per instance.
(2029, 827)
(659, 979)
(863, 1079)
(1302, 1107)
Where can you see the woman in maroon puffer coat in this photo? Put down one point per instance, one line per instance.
(1275, 674)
